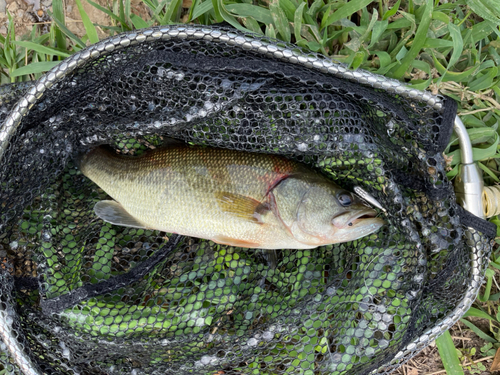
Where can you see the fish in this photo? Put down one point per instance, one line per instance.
(236, 198)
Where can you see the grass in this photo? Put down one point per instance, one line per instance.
(451, 48)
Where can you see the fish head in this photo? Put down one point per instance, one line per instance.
(334, 215)
(326, 214)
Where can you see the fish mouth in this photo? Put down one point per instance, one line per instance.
(353, 219)
(353, 225)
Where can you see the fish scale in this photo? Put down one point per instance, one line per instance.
(230, 197)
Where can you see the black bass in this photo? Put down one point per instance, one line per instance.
(230, 197)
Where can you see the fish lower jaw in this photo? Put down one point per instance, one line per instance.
(352, 219)
(359, 228)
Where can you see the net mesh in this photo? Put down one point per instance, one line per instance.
(81, 296)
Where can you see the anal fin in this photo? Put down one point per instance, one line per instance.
(224, 240)
(114, 213)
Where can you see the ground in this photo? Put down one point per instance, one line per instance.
(25, 15)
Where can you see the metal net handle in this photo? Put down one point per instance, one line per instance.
(258, 44)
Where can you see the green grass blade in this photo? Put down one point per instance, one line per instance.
(495, 297)
(438, 43)
(172, 9)
(8, 58)
(8, 47)
(440, 16)
(485, 153)
(454, 76)
(418, 42)
(138, 22)
(453, 172)
(38, 67)
(486, 9)
(110, 14)
(315, 8)
(370, 26)
(478, 314)
(202, 8)
(378, 29)
(478, 332)
(297, 22)
(402, 23)
(288, 9)
(280, 21)
(217, 11)
(194, 4)
(481, 134)
(151, 4)
(68, 33)
(127, 10)
(485, 81)
(222, 15)
(259, 14)
(391, 12)
(121, 11)
(488, 172)
(157, 10)
(359, 58)
(479, 153)
(401, 45)
(384, 58)
(479, 32)
(251, 24)
(449, 354)
(87, 23)
(424, 66)
(41, 49)
(270, 32)
(42, 39)
(58, 13)
(345, 11)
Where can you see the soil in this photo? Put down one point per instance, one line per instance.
(428, 361)
(26, 15)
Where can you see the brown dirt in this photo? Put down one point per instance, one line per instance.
(25, 16)
(428, 361)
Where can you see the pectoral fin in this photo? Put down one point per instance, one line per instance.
(241, 206)
(224, 240)
(114, 213)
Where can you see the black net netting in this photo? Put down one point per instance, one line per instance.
(81, 296)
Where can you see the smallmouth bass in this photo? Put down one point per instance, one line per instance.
(231, 197)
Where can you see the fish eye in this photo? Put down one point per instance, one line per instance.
(345, 199)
